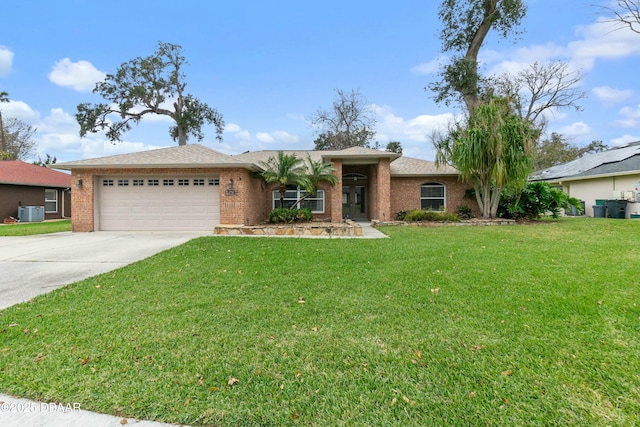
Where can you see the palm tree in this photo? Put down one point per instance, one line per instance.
(318, 171)
(285, 169)
(493, 151)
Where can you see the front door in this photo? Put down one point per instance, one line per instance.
(354, 202)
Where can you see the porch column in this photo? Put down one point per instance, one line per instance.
(383, 191)
(336, 192)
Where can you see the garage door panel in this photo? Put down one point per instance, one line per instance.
(161, 207)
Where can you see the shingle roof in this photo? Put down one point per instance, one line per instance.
(16, 172)
(179, 157)
(591, 164)
(408, 166)
(200, 156)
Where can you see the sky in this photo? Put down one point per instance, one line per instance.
(267, 66)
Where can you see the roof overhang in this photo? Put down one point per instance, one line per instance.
(71, 167)
(587, 177)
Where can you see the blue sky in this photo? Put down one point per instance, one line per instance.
(267, 65)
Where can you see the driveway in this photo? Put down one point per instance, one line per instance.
(34, 265)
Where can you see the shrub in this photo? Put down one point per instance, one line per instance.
(464, 212)
(420, 215)
(536, 200)
(287, 216)
(401, 216)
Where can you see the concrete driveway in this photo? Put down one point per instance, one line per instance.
(34, 265)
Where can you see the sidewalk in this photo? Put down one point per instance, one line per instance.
(27, 413)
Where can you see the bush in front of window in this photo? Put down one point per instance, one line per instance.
(287, 216)
(420, 215)
(464, 212)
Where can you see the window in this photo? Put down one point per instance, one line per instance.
(293, 194)
(123, 183)
(167, 182)
(183, 182)
(50, 201)
(138, 182)
(152, 183)
(214, 181)
(107, 183)
(198, 182)
(432, 197)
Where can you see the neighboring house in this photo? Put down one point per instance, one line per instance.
(609, 175)
(24, 184)
(192, 187)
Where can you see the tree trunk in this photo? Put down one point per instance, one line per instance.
(3, 142)
(471, 57)
(182, 136)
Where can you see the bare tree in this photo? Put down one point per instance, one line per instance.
(624, 12)
(540, 88)
(349, 123)
(18, 135)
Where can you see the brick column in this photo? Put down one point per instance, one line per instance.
(336, 192)
(383, 190)
(82, 201)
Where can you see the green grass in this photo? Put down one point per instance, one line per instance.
(31, 228)
(516, 325)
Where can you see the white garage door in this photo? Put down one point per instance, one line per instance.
(158, 202)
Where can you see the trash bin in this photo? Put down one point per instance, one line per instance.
(617, 209)
(599, 211)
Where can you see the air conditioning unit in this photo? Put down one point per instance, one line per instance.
(617, 195)
(31, 213)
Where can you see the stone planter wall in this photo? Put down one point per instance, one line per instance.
(469, 222)
(314, 229)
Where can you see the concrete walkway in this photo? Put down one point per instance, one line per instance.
(32, 265)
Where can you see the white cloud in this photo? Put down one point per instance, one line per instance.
(430, 67)
(600, 40)
(630, 117)
(286, 137)
(609, 95)
(391, 127)
(577, 129)
(81, 76)
(242, 135)
(6, 61)
(59, 121)
(624, 139)
(264, 137)
(232, 128)
(20, 110)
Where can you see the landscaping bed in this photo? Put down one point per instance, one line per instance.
(317, 229)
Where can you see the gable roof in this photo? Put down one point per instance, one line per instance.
(400, 166)
(17, 172)
(617, 161)
(196, 155)
(183, 156)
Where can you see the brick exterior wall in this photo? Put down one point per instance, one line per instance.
(335, 195)
(249, 200)
(244, 203)
(383, 191)
(405, 193)
(82, 203)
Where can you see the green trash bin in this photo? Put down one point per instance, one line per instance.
(599, 211)
(617, 209)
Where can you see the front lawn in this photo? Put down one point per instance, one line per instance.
(515, 325)
(30, 228)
